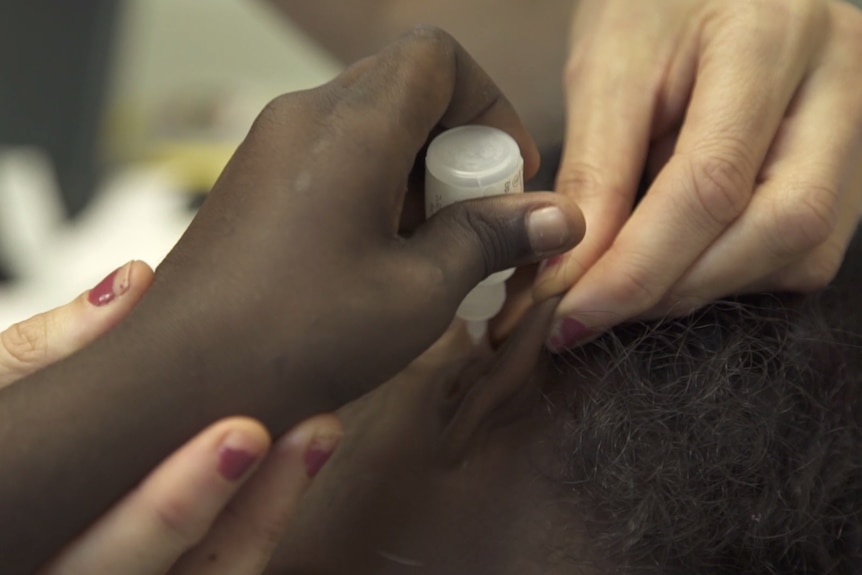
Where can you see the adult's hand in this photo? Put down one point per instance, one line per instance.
(45, 338)
(212, 507)
(291, 293)
(217, 506)
(748, 115)
(296, 253)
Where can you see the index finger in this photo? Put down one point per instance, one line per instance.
(424, 80)
(729, 127)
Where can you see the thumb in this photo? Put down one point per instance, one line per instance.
(470, 240)
(37, 342)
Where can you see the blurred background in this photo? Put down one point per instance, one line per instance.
(115, 115)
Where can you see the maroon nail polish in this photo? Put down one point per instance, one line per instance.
(234, 463)
(566, 333)
(315, 458)
(108, 290)
(103, 293)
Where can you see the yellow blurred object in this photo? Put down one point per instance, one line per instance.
(196, 164)
(192, 133)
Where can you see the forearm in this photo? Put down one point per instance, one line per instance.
(79, 435)
(349, 30)
(521, 43)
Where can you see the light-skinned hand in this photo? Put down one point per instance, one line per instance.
(216, 506)
(746, 116)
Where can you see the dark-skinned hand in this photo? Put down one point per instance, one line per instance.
(298, 251)
(291, 293)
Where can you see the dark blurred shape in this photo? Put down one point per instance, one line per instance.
(54, 64)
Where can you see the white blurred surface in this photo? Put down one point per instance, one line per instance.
(139, 214)
(170, 49)
(165, 48)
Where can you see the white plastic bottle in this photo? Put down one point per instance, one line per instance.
(474, 162)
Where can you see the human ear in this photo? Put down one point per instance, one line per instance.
(484, 394)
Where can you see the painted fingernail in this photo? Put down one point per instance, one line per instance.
(319, 450)
(234, 458)
(566, 333)
(112, 287)
(548, 229)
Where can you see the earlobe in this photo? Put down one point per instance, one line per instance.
(484, 396)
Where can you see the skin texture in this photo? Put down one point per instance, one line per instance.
(746, 117)
(455, 465)
(446, 468)
(185, 517)
(743, 116)
(521, 43)
(152, 337)
(294, 259)
(428, 480)
(46, 338)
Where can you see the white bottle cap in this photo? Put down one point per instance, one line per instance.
(474, 162)
(477, 330)
(473, 159)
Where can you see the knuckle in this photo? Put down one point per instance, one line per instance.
(436, 52)
(485, 229)
(285, 108)
(267, 532)
(583, 180)
(433, 48)
(721, 186)
(273, 112)
(806, 221)
(817, 270)
(176, 520)
(433, 35)
(26, 342)
(634, 286)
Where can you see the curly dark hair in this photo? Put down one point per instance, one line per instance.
(726, 442)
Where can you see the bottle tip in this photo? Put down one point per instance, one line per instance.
(477, 330)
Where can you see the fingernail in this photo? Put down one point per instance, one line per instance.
(235, 458)
(565, 333)
(112, 287)
(319, 450)
(547, 229)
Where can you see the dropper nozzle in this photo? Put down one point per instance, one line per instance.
(477, 330)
